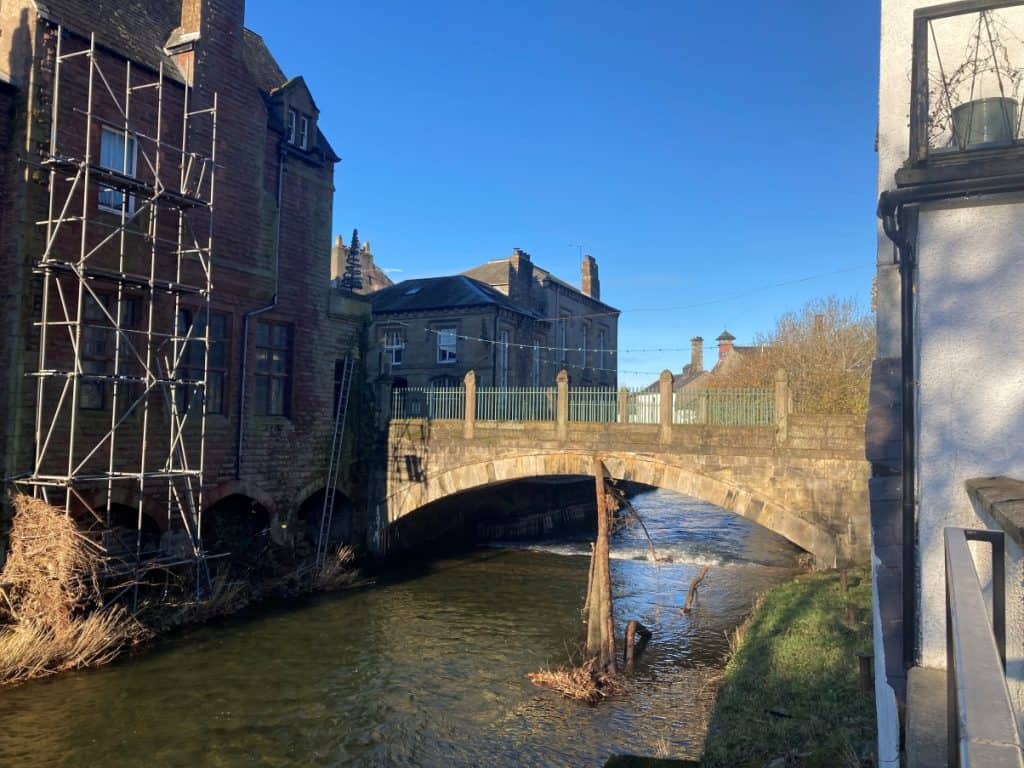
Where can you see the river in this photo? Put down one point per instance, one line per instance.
(427, 668)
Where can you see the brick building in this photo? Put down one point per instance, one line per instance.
(143, 200)
(508, 320)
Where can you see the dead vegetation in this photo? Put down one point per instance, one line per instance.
(583, 683)
(54, 614)
(52, 603)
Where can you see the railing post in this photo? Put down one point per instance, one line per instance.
(562, 405)
(665, 412)
(782, 406)
(623, 405)
(469, 420)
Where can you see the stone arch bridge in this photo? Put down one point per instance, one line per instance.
(804, 478)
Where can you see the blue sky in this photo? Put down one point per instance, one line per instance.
(710, 156)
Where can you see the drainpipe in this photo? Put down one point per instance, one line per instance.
(900, 225)
(898, 209)
(281, 156)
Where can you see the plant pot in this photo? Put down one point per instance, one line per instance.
(988, 122)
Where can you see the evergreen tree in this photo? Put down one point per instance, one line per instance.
(353, 277)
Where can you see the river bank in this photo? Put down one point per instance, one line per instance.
(790, 694)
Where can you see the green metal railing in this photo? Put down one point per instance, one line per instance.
(594, 404)
(725, 407)
(644, 407)
(516, 403)
(428, 403)
(718, 407)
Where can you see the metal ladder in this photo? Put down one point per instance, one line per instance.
(334, 464)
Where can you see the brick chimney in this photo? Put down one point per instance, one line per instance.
(520, 276)
(339, 253)
(589, 282)
(696, 354)
(725, 341)
(215, 24)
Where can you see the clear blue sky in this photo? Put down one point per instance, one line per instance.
(700, 151)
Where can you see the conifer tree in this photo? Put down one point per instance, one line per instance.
(353, 277)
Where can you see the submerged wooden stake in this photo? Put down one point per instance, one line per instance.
(632, 648)
(600, 622)
(693, 589)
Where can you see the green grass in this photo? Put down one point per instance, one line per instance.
(797, 656)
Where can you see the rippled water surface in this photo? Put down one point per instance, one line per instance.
(427, 668)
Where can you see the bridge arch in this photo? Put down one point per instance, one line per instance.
(668, 472)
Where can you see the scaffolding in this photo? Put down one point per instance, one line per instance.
(124, 319)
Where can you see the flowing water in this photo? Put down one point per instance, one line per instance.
(428, 668)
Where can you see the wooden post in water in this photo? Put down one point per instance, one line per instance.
(600, 622)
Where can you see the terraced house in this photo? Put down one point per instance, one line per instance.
(167, 348)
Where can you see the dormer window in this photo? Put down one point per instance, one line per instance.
(304, 132)
(292, 118)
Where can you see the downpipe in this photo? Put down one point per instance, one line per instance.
(247, 317)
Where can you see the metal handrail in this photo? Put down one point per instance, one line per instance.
(981, 725)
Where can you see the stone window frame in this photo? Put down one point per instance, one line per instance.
(450, 351)
(218, 364)
(304, 123)
(393, 351)
(274, 343)
(293, 119)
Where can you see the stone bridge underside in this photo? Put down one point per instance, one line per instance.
(807, 482)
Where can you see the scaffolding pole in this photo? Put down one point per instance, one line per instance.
(115, 332)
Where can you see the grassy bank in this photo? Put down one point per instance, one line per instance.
(790, 694)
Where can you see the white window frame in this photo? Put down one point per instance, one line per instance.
(447, 346)
(110, 199)
(292, 119)
(394, 343)
(304, 132)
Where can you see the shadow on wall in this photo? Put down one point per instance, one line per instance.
(971, 402)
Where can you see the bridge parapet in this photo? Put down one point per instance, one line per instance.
(810, 487)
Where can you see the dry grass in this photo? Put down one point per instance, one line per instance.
(582, 683)
(227, 596)
(337, 571)
(52, 607)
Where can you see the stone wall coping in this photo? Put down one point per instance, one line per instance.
(1003, 499)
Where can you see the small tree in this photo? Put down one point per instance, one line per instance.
(353, 277)
(826, 348)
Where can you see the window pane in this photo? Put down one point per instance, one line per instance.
(262, 334)
(277, 397)
(215, 393)
(262, 361)
(280, 337)
(261, 386)
(112, 150)
(217, 354)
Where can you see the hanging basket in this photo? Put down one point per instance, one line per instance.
(990, 122)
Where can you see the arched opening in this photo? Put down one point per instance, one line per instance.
(121, 531)
(308, 522)
(237, 525)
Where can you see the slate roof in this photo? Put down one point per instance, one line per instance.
(261, 62)
(496, 273)
(449, 292)
(136, 28)
(139, 29)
